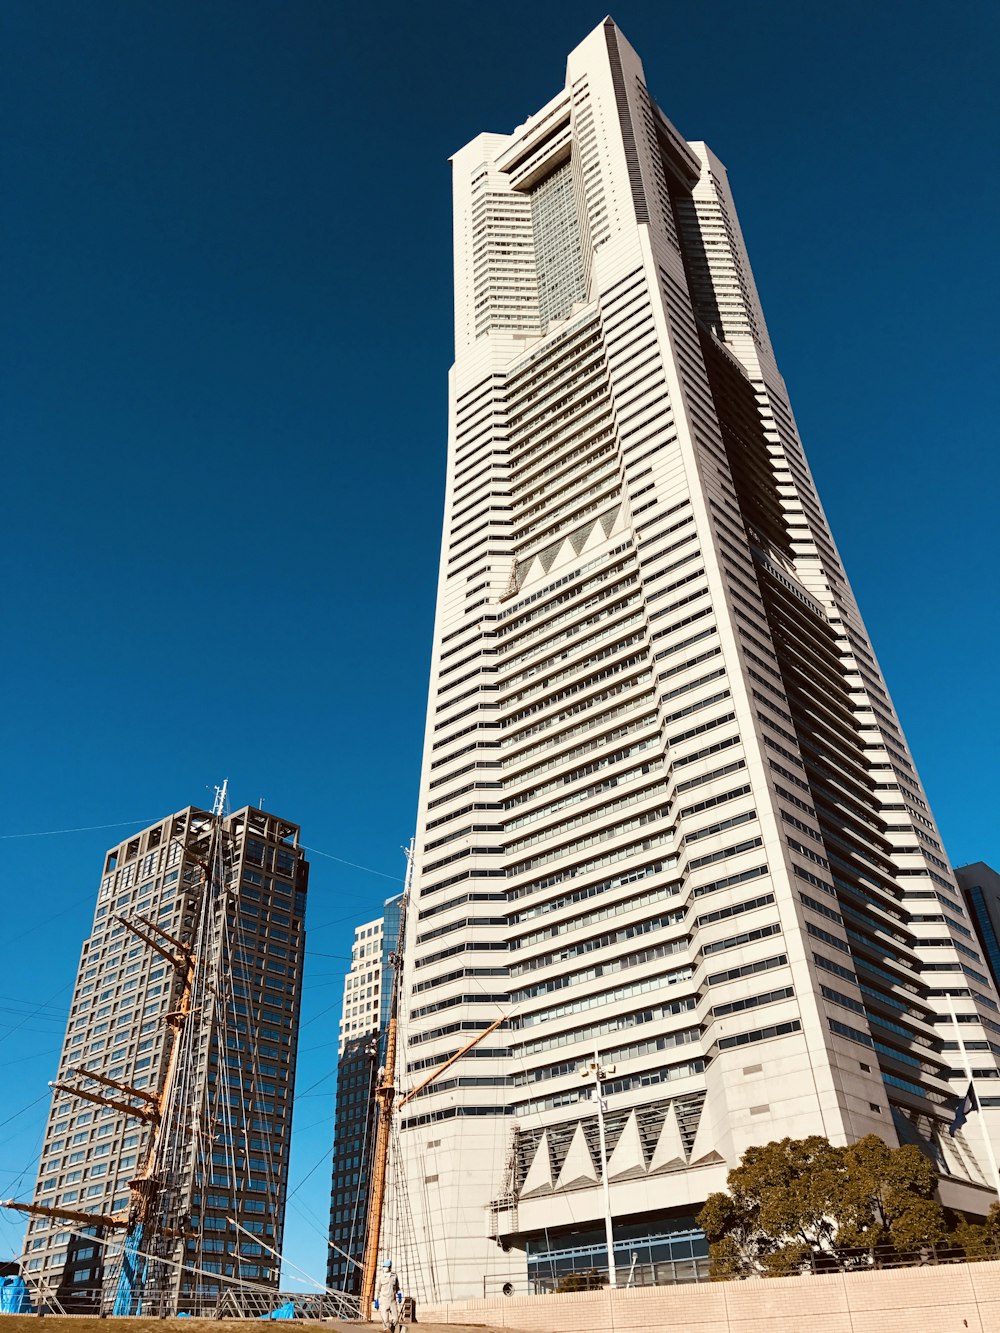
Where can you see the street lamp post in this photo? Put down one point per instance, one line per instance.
(598, 1073)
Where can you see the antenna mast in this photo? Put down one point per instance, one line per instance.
(384, 1094)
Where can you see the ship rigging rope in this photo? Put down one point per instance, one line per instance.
(362, 1193)
(422, 1259)
(311, 1171)
(15, 1184)
(195, 1110)
(86, 828)
(218, 1125)
(431, 1232)
(45, 1097)
(132, 823)
(321, 1286)
(17, 1246)
(499, 1124)
(214, 1028)
(192, 1113)
(311, 1220)
(104, 1242)
(239, 962)
(188, 1108)
(402, 1232)
(315, 851)
(36, 1012)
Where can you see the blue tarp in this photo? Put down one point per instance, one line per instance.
(128, 1293)
(14, 1297)
(286, 1311)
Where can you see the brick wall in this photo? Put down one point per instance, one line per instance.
(952, 1298)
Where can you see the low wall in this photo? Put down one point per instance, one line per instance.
(950, 1298)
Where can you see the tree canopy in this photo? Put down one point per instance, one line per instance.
(797, 1200)
(981, 1240)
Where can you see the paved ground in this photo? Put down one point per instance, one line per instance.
(346, 1327)
(84, 1324)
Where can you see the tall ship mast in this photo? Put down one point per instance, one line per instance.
(389, 1222)
(164, 1167)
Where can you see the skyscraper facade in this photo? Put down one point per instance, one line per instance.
(980, 885)
(230, 890)
(363, 984)
(667, 812)
(367, 993)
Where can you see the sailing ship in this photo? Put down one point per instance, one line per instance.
(215, 899)
(198, 1232)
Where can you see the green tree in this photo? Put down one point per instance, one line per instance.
(980, 1240)
(887, 1197)
(803, 1200)
(582, 1281)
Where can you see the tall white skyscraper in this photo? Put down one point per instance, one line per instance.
(667, 812)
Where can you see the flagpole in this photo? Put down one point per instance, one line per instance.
(972, 1084)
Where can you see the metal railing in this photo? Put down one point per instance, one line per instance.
(654, 1273)
(675, 1272)
(884, 1257)
(243, 1303)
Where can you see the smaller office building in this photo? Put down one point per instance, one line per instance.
(361, 1053)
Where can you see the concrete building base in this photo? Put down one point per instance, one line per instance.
(949, 1298)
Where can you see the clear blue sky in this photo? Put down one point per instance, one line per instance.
(226, 332)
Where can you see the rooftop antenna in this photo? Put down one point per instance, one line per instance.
(221, 798)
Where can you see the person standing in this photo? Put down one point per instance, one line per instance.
(388, 1297)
